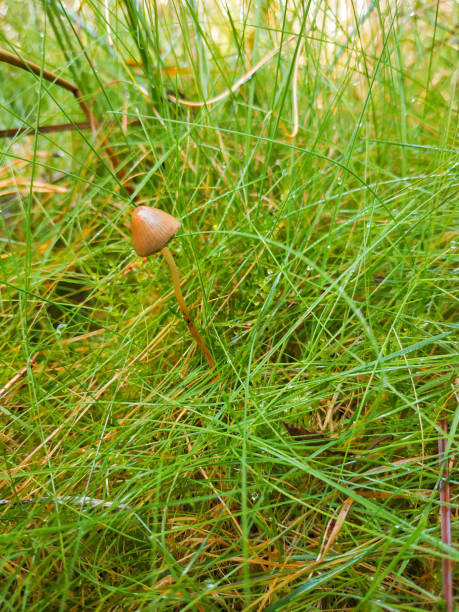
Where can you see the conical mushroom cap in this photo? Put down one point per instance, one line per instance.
(152, 229)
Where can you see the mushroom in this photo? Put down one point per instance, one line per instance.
(152, 229)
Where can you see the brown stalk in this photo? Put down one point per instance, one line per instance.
(14, 60)
(184, 308)
(18, 62)
(53, 128)
(45, 129)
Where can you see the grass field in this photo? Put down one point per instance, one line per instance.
(317, 195)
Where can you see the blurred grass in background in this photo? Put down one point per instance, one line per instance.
(319, 267)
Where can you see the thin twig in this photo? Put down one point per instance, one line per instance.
(14, 60)
(58, 127)
(248, 75)
(45, 129)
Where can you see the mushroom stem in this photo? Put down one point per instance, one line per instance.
(183, 307)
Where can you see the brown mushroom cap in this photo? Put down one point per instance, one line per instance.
(152, 229)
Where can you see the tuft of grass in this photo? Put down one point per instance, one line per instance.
(320, 269)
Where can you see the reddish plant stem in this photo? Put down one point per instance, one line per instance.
(445, 517)
(14, 60)
(51, 77)
(45, 129)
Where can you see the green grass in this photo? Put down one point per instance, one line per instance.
(320, 270)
